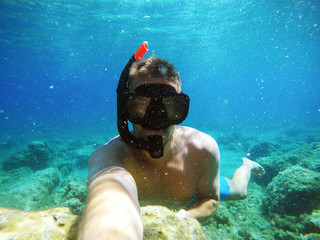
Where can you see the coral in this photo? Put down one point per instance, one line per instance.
(76, 206)
(50, 224)
(82, 156)
(29, 190)
(293, 191)
(35, 156)
(285, 235)
(12, 175)
(231, 141)
(72, 193)
(311, 236)
(72, 155)
(272, 165)
(27, 185)
(263, 149)
(58, 223)
(312, 223)
(314, 162)
(161, 223)
(286, 223)
(240, 219)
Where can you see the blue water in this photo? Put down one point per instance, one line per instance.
(251, 68)
(249, 65)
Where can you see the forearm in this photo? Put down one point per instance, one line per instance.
(112, 210)
(204, 209)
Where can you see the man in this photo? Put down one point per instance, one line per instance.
(157, 162)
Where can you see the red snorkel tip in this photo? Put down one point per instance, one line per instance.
(141, 51)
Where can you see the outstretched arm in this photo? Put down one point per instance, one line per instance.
(112, 210)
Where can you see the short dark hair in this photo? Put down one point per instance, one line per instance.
(154, 68)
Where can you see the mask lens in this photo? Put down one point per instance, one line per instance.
(137, 105)
(156, 106)
(176, 106)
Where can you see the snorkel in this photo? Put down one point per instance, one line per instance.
(153, 144)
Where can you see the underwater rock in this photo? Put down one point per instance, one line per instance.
(82, 161)
(272, 165)
(240, 219)
(65, 166)
(311, 236)
(49, 224)
(288, 224)
(13, 176)
(312, 223)
(293, 191)
(263, 149)
(231, 141)
(279, 234)
(313, 162)
(72, 193)
(29, 190)
(59, 223)
(35, 156)
(72, 155)
(161, 223)
(82, 156)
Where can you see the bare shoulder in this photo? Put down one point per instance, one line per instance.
(198, 140)
(112, 147)
(108, 155)
(203, 151)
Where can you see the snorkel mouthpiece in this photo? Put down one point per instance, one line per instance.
(154, 144)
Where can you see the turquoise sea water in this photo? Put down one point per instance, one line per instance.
(251, 68)
(244, 63)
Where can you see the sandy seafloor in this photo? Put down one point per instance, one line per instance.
(51, 171)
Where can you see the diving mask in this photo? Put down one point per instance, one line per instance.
(153, 106)
(156, 106)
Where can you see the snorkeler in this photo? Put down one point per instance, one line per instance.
(157, 162)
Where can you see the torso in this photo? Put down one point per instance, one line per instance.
(176, 180)
(173, 179)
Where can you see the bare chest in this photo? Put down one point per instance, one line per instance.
(172, 184)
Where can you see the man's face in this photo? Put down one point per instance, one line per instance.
(141, 132)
